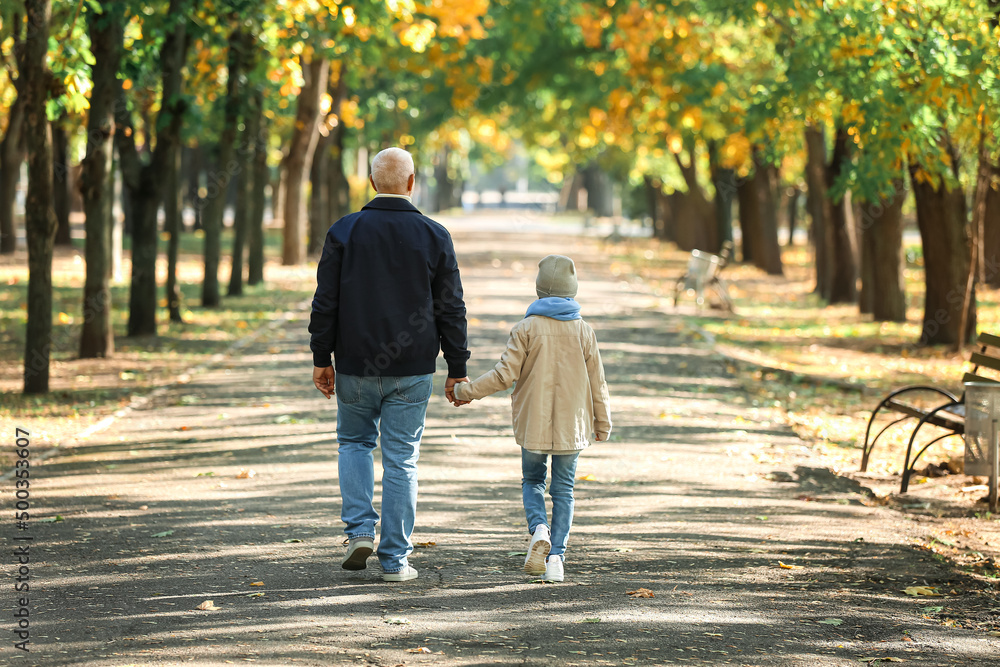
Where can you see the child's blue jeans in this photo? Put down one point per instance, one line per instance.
(533, 471)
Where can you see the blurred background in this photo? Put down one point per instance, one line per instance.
(168, 169)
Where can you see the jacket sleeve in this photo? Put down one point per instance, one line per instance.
(599, 390)
(449, 312)
(503, 375)
(326, 303)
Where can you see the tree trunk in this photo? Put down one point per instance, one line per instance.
(671, 206)
(192, 168)
(792, 215)
(228, 167)
(768, 258)
(39, 219)
(11, 157)
(97, 338)
(569, 195)
(844, 273)
(339, 188)
(299, 159)
(319, 197)
(173, 211)
(820, 210)
(244, 193)
(942, 219)
(442, 182)
(749, 218)
(882, 284)
(261, 178)
(991, 230)
(600, 194)
(144, 183)
(724, 181)
(60, 182)
(696, 225)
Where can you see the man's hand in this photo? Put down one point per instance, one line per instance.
(323, 379)
(449, 391)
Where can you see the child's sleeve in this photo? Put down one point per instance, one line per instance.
(503, 375)
(599, 390)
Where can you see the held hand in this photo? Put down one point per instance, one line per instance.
(449, 391)
(324, 378)
(597, 438)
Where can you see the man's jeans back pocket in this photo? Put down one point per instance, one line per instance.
(349, 388)
(415, 388)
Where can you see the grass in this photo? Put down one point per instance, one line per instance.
(85, 390)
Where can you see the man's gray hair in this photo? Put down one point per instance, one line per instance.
(391, 170)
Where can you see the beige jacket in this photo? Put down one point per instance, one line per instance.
(561, 398)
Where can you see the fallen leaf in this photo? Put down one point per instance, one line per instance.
(789, 567)
(922, 590)
(622, 550)
(591, 620)
(256, 595)
(761, 518)
(397, 620)
(207, 605)
(932, 610)
(205, 474)
(641, 593)
(831, 621)
(425, 544)
(586, 478)
(50, 519)
(419, 649)
(165, 533)
(257, 583)
(294, 539)
(246, 473)
(517, 553)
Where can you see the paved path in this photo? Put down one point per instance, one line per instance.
(156, 522)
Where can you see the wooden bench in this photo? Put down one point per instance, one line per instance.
(703, 274)
(941, 408)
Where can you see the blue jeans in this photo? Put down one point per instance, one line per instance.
(533, 470)
(394, 406)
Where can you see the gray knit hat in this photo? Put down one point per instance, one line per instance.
(556, 277)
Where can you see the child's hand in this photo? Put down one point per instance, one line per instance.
(597, 438)
(449, 391)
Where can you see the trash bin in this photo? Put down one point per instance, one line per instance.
(702, 267)
(982, 429)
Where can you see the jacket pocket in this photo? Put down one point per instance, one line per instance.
(415, 388)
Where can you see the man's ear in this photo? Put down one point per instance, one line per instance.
(409, 182)
(372, 181)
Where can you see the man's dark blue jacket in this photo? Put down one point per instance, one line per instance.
(388, 295)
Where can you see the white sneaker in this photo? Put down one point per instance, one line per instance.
(358, 551)
(405, 574)
(553, 568)
(538, 549)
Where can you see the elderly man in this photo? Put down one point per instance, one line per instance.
(388, 298)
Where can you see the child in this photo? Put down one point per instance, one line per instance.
(560, 399)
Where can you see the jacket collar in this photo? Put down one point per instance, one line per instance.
(391, 204)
